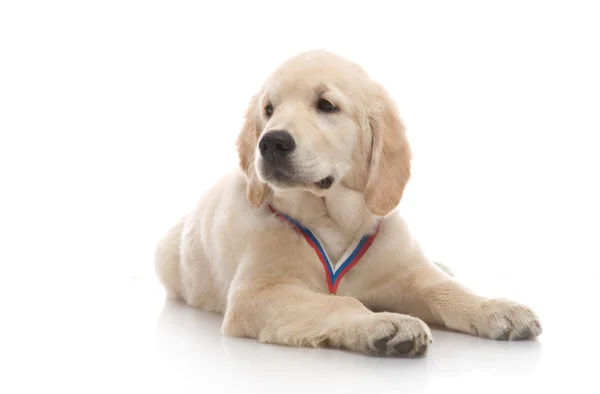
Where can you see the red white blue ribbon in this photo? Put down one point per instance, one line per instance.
(334, 273)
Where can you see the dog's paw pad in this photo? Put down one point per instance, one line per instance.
(381, 343)
(422, 349)
(504, 336)
(404, 347)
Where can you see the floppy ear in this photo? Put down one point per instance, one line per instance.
(389, 168)
(246, 146)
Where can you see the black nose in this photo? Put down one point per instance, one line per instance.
(276, 144)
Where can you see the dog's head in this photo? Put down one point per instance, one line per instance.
(320, 121)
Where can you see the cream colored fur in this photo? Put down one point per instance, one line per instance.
(232, 255)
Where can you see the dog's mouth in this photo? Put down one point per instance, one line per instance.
(285, 176)
(325, 183)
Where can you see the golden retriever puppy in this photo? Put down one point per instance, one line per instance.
(302, 245)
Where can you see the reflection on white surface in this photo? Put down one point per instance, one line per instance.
(266, 367)
(135, 340)
(191, 347)
(124, 337)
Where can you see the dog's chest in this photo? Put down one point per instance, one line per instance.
(335, 243)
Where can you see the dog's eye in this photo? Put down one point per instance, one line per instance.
(269, 110)
(326, 106)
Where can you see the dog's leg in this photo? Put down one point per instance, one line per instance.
(290, 314)
(442, 299)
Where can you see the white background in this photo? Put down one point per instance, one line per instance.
(116, 115)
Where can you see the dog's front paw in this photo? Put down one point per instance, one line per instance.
(396, 335)
(506, 320)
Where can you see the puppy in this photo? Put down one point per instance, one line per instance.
(303, 246)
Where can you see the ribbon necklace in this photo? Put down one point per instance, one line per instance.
(334, 273)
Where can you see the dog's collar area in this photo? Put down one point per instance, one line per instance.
(333, 273)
